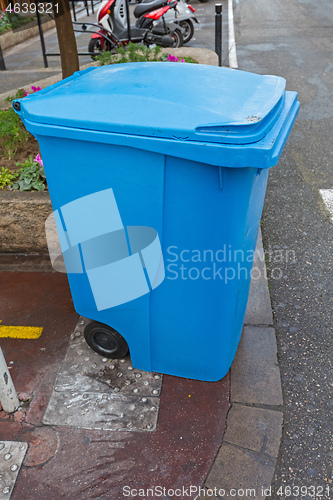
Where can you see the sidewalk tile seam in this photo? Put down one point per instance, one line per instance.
(276, 408)
(260, 456)
(222, 441)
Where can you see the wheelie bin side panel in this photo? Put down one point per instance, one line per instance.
(75, 169)
(209, 238)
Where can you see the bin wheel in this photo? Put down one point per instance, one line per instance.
(105, 340)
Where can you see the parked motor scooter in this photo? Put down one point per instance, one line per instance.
(182, 15)
(113, 16)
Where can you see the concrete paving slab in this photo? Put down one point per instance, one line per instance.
(255, 375)
(254, 428)
(93, 392)
(259, 311)
(241, 473)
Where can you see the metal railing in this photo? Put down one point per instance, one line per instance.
(218, 31)
(84, 29)
(45, 54)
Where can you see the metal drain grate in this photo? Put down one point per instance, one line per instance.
(12, 454)
(98, 393)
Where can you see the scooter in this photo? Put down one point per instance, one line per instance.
(182, 15)
(113, 17)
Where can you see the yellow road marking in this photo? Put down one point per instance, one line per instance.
(20, 332)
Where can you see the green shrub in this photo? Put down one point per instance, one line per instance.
(12, 131)
(6, 178)
(11, 20)
(133, 52)
(31, 176)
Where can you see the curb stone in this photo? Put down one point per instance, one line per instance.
(10, 39)
(247, 457)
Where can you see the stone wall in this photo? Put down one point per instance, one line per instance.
(22, 220)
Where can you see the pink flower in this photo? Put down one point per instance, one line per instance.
(25, 92)
(183, 60)
(39, 160)
(172, 58)
(35, 89)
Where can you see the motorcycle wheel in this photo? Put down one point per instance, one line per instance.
(95, 46)
(177, 36)
(188, 30)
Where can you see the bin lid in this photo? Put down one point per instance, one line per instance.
(163, 99)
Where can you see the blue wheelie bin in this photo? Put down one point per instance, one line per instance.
(157, 175)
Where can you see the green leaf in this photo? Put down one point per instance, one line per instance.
(24, 186)
(38, 185)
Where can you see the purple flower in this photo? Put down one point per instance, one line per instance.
(172, 58)
(183, 60)
(35, 89)
(39, 160)
(25, 92)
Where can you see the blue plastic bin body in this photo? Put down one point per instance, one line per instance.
(191, 163)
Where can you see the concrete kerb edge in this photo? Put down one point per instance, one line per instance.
(248, 453)
(10, 39)
(251, 463)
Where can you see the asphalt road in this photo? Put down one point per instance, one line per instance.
(294, 39)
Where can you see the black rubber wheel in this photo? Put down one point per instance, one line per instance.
(95, 46)
(178, 38)
(105, 340)
(177, 35)
(188, 30)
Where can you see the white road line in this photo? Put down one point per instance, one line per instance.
(327, 196)
(231, 40)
